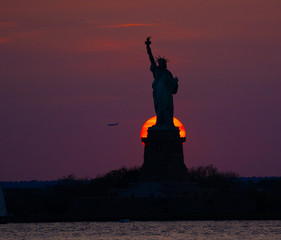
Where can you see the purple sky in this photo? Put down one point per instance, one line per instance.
(68, 68)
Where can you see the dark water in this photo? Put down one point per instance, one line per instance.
(143, 230)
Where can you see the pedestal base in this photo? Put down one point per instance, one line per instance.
(163, 156)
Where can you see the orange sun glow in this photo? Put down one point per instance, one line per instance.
(152, 121)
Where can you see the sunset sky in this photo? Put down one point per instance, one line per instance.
(68, 68)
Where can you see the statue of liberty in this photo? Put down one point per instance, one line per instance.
(164, 86)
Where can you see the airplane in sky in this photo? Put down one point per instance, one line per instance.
(112, 124)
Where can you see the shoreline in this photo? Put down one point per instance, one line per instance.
(202, 217)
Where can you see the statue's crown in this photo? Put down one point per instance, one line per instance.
(162, 59)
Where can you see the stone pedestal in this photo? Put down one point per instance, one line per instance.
(163, 156)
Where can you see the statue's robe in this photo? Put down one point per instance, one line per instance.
(164, 85)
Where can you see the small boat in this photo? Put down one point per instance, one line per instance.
(124, 220)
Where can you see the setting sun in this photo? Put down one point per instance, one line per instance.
(152, 121)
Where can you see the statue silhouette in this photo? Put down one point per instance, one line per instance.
(164, 86)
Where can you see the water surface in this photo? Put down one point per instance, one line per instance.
(176, 230)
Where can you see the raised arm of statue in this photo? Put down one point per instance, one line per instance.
(149, 52)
